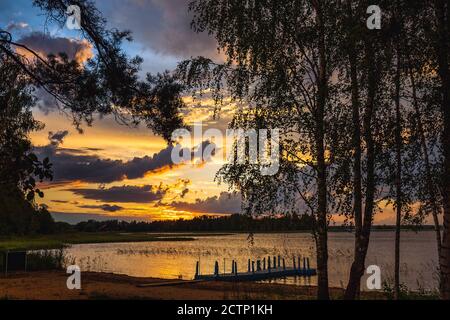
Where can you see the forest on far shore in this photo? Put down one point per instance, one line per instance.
(229, 223)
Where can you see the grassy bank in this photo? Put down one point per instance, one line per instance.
(56, 241)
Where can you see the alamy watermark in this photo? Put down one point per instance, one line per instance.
(74, 280)
(73, 21)
(374, 21)
(239, 146)
(373, 282)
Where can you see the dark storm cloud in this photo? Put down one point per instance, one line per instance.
(127, 194)
(177, 37)
(77, 165)
(162, 25)
(45, 101)
(69, 166)
(44, 44)
(225, 203)
(94, 149)
(60, 201)
(57, 137)
(184, 192)
(104, 207)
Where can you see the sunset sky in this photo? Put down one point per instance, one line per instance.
(112, 170)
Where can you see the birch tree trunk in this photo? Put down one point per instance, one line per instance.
(322, 227)
(442, 9)
(435, 210)
(362, 242)
(398, 176)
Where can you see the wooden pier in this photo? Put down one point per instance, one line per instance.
(273, 267)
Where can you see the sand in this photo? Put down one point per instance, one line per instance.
(52, 286)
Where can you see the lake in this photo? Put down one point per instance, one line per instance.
(177, 259)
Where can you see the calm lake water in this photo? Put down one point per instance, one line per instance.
(175, 259)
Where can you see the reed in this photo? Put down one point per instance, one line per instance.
(56, 259)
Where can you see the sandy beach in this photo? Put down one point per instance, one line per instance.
(52, 286)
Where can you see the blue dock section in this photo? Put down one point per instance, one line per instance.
(264, 269)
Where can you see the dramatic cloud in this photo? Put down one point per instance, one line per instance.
(77, 165)
(164, 26)
(44, 44)
(176, 36)
(225, 203)
(125, 194)
(60, 201)
(104, 207)
(58, 137)
(45, 101)
(90, 168)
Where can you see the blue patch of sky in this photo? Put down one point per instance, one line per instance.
(23, 11)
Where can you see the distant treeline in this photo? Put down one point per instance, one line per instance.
(231, 223)
(235, 222)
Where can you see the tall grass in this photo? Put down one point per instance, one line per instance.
(406, 294)
(47, 260)
(96, 264)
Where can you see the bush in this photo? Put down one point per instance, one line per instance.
(19, 217)
(406, 294)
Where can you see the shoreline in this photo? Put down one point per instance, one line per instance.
(59, 241)
(99, 285)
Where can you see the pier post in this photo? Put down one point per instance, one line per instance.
(274, 262)
(264, 263)
(284, 265)
(232, 266)
(268, 264)
(293, 262)
(279, 261)
(307, 263)
(197, 269)
(216, 269)
(298, 263)
(235, 268)
(253, 266)
(248, 265)
(304, 264)
(258, 265)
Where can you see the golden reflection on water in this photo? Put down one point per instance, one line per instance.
(176, 260)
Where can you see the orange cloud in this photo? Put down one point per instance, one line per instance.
(44, 44)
